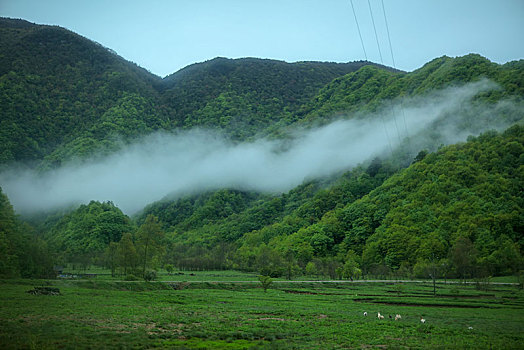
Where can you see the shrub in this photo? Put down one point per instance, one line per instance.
(150, 275)
(131, 277)
(265, 281)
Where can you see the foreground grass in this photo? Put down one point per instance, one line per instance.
(108, 314)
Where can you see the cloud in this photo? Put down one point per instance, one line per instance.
(199, 160)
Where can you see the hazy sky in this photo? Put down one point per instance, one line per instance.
(166, 35)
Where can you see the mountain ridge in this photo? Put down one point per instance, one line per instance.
(39, 63)
(49, 120)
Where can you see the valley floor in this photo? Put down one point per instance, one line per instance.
(94, 313)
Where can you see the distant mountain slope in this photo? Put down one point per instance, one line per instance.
(465, 195)
(63, 96)
(55, 85)
(245, 96)
(367, 89)
(231, 214)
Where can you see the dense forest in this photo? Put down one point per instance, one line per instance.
(377, 220)
(452, 210)
(64, 96)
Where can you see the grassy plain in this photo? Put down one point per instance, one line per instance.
(101, 313)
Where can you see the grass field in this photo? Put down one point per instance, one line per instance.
(98, 314)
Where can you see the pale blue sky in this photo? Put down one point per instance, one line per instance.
(164, 36)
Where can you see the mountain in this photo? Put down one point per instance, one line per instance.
(368, 88)
(56, 85)
(246, 96)
(464, 195)
(64, 97)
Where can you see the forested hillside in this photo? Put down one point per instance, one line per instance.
(64, 96)
(55, 86)
(453, 208)
(22, 254)
(244, 97)
(368, 88)
(460, 207)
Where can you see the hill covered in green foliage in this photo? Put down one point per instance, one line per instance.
(64, 96)
(245, 96)
(22, 253)
(368, 88)
(460, 207)
(455, 209)
(56, 85)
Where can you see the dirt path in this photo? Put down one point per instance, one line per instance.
(348, 281)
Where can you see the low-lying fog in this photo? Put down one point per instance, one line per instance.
(165, 163)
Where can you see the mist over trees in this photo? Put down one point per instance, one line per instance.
(424, 209)
(23, 254)
(82, 235)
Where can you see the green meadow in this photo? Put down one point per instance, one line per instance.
(101, 313)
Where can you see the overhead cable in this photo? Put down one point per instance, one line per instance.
(358, 28)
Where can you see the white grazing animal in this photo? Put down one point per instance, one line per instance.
(423, 320)
(379, 316)
(365, 313)
(397, 317)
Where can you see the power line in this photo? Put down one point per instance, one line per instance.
(387, 134)
(382, 61)
(358, 27)
(375, 29)
(387, 30)
(395, 66)
(363, 48)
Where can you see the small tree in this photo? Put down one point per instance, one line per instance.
(290, 263)
(111, 256)
(149, 240)
(265, 281)
(421, 155)
(433, 270)
(127, 256)
(463, 256)
(169, 268)
(351, 269)
(311, 269)
(150, 275)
